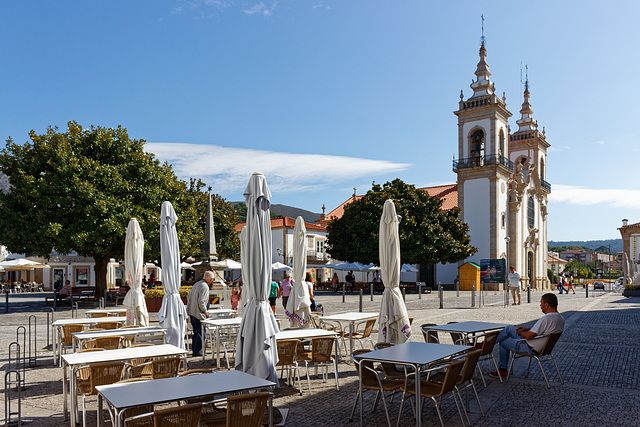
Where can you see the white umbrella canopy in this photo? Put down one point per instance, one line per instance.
(278, 266)
(393, 321)
(172, 315)
(137, 313)
(299, 304)
(21, 264)
(256, 351)
(227, 264)
(244, 259)
(406, 268)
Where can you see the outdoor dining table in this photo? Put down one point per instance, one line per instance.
(468, 329)
(217, 325)
(74, 361)
(352, 318)
(222, 313)
(58, 324)
(419, 355)
(117, 311)
(79, 338)
(120, 397)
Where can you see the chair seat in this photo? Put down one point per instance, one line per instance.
(427, 388)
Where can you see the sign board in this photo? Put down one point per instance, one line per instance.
(493, 270)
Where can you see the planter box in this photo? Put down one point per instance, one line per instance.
(154, 304)
(631, 293)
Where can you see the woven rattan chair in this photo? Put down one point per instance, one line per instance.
(178, 416)
(166, 367)
(544, 356)
(365, 335)
(110, 325)
(66, 337)
(390, 370)
(320, 356)
(486, 348)
(153, 338)
(195, 372)
(287, 358)
(107, 343)
(435, 390)
(456, 337)
(246, 410)
(372, 381)
(137, 410)
(98, 374)
(429, 336)
(100, 314)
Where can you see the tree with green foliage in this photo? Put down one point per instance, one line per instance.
(428, 234)
(584, 272)
(77, 191)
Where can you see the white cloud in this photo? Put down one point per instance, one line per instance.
(228, 170)
(599, 142)
(261, 9)
(578, 195)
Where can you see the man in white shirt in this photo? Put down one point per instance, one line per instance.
(550, 323)
(514, 284)
(198, 310)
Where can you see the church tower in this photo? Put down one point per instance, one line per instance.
(528, 199)
(483, 166)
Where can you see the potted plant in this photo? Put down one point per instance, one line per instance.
(631, 291)
(153, 297)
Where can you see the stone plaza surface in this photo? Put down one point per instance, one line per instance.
(598, 356)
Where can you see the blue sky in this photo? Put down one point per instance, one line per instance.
(325, 96)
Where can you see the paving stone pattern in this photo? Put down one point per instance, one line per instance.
(598, 356)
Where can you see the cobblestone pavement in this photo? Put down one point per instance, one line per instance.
(598, 357)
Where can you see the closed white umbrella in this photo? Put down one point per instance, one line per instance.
(256, 351)
(393, 321)
(299, 304)
(137, 313)
(625, 269)
(172, 315)
(244, 259)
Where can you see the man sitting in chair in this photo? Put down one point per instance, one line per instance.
(550, 323)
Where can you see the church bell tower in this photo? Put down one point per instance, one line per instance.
(483, 166)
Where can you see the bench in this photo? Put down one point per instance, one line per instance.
(78, 293)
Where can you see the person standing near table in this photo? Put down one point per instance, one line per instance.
(197, 309)
(286, 288)
(274, 295)
(514, 284)
(351, 281)
(335, 282)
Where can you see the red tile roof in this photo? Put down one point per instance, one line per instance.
(285, 222)
(556, 260)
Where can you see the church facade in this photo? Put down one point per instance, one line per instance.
(502, 191)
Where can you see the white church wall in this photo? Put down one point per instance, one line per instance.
(277, 242)
(503, 202)
(476, 215)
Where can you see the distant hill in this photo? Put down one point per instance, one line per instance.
(290, 211)
(616, 244)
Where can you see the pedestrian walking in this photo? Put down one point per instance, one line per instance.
(514, 284)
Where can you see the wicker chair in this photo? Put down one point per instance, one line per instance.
(98, 374)
(429, 336)
(182, 416)
(456, 337)
(321, 356)
(371, 381)
(100, 314)
(390, 370)
(544, 356)
(66, 338)
(361, 336)
(246, 410)
(166, 367)
(107, 343)
(486, 348)
(137, 410)
(110, 325)
(287, 358)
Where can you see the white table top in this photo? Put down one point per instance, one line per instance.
(123, 354)
(106, 310)
(415, 353)
(223, 322)
(88, 320)
(297, 334)
(350, 317)
(179, 388)
(116, 332)
(219, 311)
(468, 327)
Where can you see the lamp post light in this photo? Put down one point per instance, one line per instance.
(506, 287)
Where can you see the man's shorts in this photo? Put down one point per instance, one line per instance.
(515, 290)
(272, 301)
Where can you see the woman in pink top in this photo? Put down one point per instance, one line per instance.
(286, 289)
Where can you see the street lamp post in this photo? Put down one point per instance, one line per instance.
(506, 287)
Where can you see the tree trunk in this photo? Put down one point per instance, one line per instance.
(101, 274)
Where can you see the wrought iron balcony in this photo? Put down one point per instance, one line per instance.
(477, 161)
(545, 185)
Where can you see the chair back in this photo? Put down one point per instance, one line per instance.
(94, 315)
(183, 416)
(456, 337)
(470, 363)
(67, 331)
(108, 343)
(286, 352)
(365, 370)
(489, 342)
(165, 367)
(246, 410)
(451, 377)
(550, 344)
(104, 374)
(149, 338)
(429, 336)
(321, 349)
(368, 328)
(381, 345)
(195, 372)
(109, 325)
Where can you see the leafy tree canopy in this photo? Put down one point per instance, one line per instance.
(77, 191)
(428, 235)
(241, 210)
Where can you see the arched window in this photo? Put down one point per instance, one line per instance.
(504, 220)
(531, 213)
(542, 171)
(501, 144)
(477, 147)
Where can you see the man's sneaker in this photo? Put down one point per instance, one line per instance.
(504, 374)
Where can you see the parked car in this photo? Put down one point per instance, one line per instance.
(598, 285)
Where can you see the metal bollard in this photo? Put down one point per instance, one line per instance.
(586, 286)
(371, 292)
(404, 293)
(6, 301)
(528, 294)
(8, 412)
(458, 288)
(344, 288)
(440, 295)
(419, 291)
(23, 347)
(33, 340)
(360, 307)
(74, 309)
(49, 327)
(473, 295)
